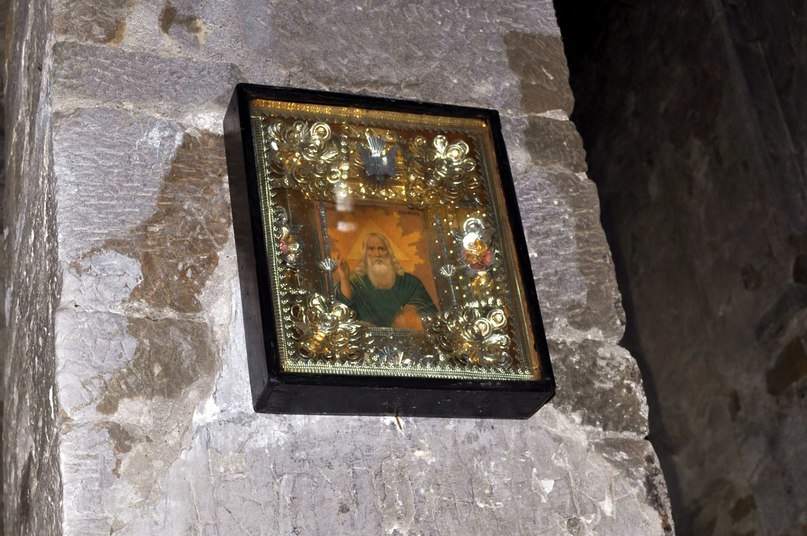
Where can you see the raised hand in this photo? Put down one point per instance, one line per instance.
(342, 275)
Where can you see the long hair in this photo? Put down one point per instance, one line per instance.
(361, 269)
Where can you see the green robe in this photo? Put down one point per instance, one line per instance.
(381, 306)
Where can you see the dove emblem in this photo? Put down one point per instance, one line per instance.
(378, 162)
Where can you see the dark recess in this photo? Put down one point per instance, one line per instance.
(587, 29)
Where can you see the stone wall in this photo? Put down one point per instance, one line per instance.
(30, 283)
(694, 120)
(156, 433)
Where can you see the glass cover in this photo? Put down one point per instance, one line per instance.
(389, 246)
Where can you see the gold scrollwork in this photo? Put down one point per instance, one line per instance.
(323, 330)
(308, 156)
(440, 171)
(473, 335)
(321, 160)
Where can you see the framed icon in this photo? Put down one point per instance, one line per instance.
(381, 256)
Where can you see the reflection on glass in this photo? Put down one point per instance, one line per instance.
(389, 244)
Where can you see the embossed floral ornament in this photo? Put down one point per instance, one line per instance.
(312, 156)
(441, 171)
(472, 335)
(321, 330)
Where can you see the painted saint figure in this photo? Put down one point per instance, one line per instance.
(380, 292)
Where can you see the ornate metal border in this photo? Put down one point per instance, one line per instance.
(331, 154)
(300, 160)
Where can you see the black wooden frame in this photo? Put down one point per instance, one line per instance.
(276, 391)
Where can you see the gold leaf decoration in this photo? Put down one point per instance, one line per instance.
(440, 172)
(310, 157)
(323, 330)
(476, 334)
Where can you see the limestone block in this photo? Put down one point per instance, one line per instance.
(555, 143)
(98, 345)
(137, 358)
(29, 275)
(343, 475)
(602, 388)
(539, 63)
(356, 47)
(96, 22)
(110, 166)
(86, 75)
(560, 212)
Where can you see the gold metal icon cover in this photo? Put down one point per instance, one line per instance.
(387, 242)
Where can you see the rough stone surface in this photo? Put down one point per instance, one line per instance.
(694, 119)
(542, 82)
(106, 193)
(612, 384)
(106, 25)
(30, 284)
(157, 434)
(90, 75)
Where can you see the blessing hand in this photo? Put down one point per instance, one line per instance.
(342, 271)
(341, 276)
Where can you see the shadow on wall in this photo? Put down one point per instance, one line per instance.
(585, 30)
(695, 133)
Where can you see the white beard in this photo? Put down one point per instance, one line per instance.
(382, 274)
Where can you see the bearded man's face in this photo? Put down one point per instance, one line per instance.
(379, 264)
